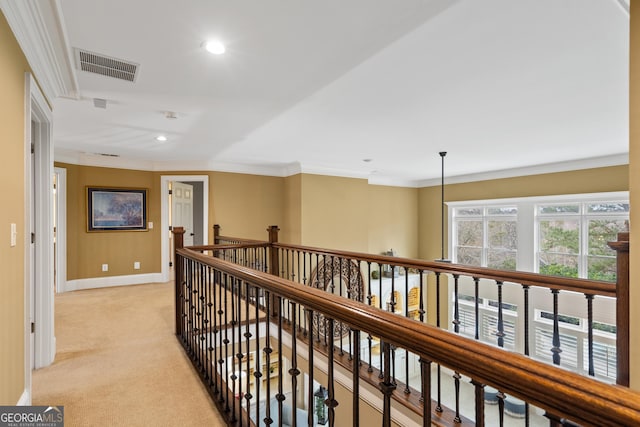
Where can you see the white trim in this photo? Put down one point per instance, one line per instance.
(595, 162)
(39, 111)
(604, 196)
(40, 31)
(164, 209)
(291, 169)
(111, 281)
(25, 399)
(61, 232)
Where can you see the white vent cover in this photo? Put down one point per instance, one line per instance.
(105, 65)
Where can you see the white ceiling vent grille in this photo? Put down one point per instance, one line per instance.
(106, 66)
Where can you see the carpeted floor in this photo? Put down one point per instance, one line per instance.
(118, 362)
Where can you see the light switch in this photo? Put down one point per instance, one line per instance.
(14, 234)
(150, 225)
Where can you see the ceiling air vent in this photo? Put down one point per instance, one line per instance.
(106, 66)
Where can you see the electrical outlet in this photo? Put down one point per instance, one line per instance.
(105, 267)
(136, 265)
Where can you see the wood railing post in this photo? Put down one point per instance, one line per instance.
(274, 266)
(178, 243)
(216, 234)
(273, 253)
(622, 307)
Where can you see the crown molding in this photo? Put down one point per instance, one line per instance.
(591, 163)
(38, 26)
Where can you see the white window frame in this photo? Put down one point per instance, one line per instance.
(527, 251)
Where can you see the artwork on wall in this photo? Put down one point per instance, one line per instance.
(116, 209)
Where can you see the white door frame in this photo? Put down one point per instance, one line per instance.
(61, 230)
(164, 188)
(41, 288)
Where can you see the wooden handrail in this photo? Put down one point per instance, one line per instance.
(591, 287)
(560, 392)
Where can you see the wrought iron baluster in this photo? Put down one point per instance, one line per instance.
(500, 332)
(310, 368)
(235, 351)
(280, 396)
(356, 380)
(331, 401)
(294, 371)
(380, 374)
(247, 351)
(439, 379)
(214, 309)
(226, 340)
(590, 332)
(525, 289)
(267, 355)
(456, 379)
(556, 350)
(221, 309)
(258, 364)
(341, 325)
(476, 282)
(456, 305)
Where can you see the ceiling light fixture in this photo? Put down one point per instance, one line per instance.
(161, 138)
(215, 46)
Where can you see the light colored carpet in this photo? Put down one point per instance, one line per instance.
(119, 363)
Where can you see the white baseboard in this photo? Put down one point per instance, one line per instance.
(25, 399)
(105, 282)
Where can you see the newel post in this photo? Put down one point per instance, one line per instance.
(178, 243)
(216, 234)
(621, 246)
(274, 265)
(273, 253)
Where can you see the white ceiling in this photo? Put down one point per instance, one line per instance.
(319, 86)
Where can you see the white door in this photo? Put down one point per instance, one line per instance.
(182, 209)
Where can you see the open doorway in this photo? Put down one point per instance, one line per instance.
(193, 209)
(39, 335)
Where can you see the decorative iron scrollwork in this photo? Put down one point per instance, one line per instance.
(340, 277)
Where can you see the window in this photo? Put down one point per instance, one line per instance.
(556, 235)
(572, 238)
(486, 236)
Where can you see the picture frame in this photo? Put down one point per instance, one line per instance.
(116, 209)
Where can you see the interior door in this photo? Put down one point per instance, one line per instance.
(182, 209)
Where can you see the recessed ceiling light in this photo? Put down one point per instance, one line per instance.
(161, 138)
(367, 160)
(215, 46)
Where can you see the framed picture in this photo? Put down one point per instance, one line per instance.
(116, 209)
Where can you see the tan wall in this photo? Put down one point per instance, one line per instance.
(393, 220)
(13, 65)
(292, 223)
(334, 212)
(634, 181)
(87, 251)
(350, 214)
(245, 205)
